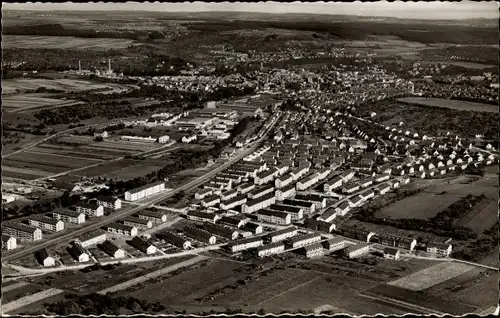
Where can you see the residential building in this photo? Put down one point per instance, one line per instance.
(246, 187)
(439, 248)
(308, 181)
(121, 229)
(211, 200)
(253, 228)
(358, 250)
(284, 180)
(259, 203)
(309, 207)
(335, 244)
(203, 193)
(343, 208)
(46, 223)
(221, 231)
(351, 187)
(203, 216)
(79, 253)
(156, 217)
(200, 235)
(90, 208)
(137, 222)
(232, 221)
(143, 246)
(92, 238)
(318, 200)
(296, 213)
(109, 202)
(8, 242)
(303, 240)
(111, 249)
(174, 240)
(286, 192)
(333, 184)
(229, 195)
(313, 250)
(234, 202)
(319, 225)
(275, 217)
(145, 191)
(266, 176)
(271, 249)
(68, 216)
(261, 191)
(392, 253)
(245, 244)
(329, 215)
(44, 258)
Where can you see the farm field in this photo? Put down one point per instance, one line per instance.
(108, 145)
(11, 86)
(431, 276)
(470, 65)
(424, 300)
(63, 42)
(453, 104)
(423, 205)
(33, 102)
(21, 173)
(482, 217)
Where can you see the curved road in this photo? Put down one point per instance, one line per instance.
(131, 210)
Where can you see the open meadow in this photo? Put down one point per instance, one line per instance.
(448, 103)
(63, 42)
(33, 102)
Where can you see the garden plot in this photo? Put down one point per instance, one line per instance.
(431, 276)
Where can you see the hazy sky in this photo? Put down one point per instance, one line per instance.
(405, 10)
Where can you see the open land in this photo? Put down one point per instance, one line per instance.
(63, 42)
(10, 86)
(33, 102)
(453, 104)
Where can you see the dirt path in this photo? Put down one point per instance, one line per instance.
(27, 300)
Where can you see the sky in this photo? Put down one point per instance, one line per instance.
(398, 9)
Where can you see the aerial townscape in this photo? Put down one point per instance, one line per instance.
(250, 159)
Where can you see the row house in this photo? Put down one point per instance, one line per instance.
(335, 244)
(329, 215)
(221, 231)
(309, 207)
(68, 216)
(367, 194)
(228, 194)
(308, 181)
(261, 191)
(143, 245)
(109, 202)
(284, 180)
(395, 241)
(272, 216)
(259, 203)
(281, 235)
(319, 225)
(245, 187)
(156, 217)
(233, 221)
(92, 238)
(215, 187)
(383, 177)
(358, 250)
(174, 239)
(266, 176)
(46, 223)
(356, 201)
(200, 235)
(296, 213)
(245, 244)
(282, 169)
(234, 202)
(299, 172)
(145, 191)
(347, 175)
(210, 201)
(318, 200)
(243, 172)
(343, 208)
(350, 187)
(303, 240)
(439, 248)
(137, 222)
(270, 249)
(313, 250)
(202, 216)
(253, 228)
(332, 184)
(112, 250)
(286, 192)
(90, 208)
(383, 188)
(121, 229)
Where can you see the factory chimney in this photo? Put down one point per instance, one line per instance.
(79, 65)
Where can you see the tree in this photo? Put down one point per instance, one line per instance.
(156, 35)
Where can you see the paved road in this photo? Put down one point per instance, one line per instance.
(131, 210)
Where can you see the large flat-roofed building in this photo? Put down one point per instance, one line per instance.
(137, 222)
(200, 235)
(156, 217)
(92, 238)
(46, 223)
(69, 216)
(174, 240)
(145, 191)
(90, 208)
(9, 242)
(276, 217)
(121, 229)
(271, 249)
(282, 234)
(245, 244)
(112, 250)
